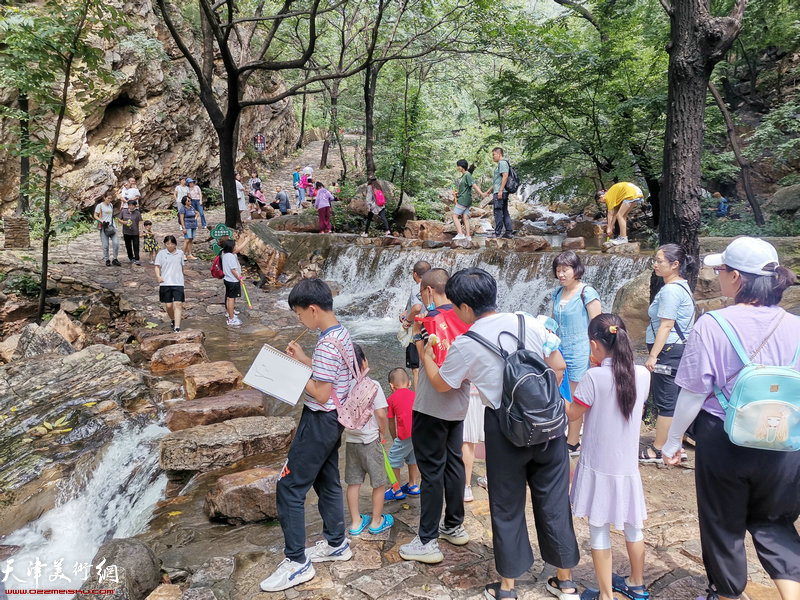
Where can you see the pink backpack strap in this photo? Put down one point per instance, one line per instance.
(355, 371)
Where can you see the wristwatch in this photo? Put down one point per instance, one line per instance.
(416, 338)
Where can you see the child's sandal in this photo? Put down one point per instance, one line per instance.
(386, 523)
(498, 593)
(364, 522)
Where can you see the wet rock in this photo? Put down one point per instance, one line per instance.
(69, 329)
(211, 379)
(261, 245)
(573, 243)
(218, 568)
(390, 577)
(304, 222)
(586, 229)
(531, 243)
(500, 243)
(177, 357)
(425, 230)
(386, 240)
(167, 390)
(629, 248)
(166, 591)
(431, 244)
(8, 346)
(8, 551)
(137, 569)
(631, 304)
(36, 340)
(244, 497)
(206, 411)
(150, 344)
(212, 446)
(96, 314)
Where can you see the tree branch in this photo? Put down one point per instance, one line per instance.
(583, 12)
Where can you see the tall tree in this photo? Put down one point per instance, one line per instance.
(698, 41)
(246, 46)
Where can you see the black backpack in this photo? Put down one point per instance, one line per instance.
(531, 410)
(512, 182)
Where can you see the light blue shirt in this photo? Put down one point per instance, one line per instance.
(573, 329)
(674, 301)
(497, 176)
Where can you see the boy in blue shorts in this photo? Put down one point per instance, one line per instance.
(314, 454)
(401, 403)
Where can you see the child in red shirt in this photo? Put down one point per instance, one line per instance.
(401, 402)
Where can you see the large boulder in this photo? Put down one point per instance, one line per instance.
(211, 379)
(707, 284)
(127, 566)
(149, 344)
(401, 214)
(531, 243)
(260, 244)
(427, 230)
(177, 357)
(206, 411)
(67, 328)
(244, 497)
(207, 447)
(631, 304)
(784, 201)
(586, 229)
(305, 222)
(96, 314)
(573, 243)
(36, 340)
(8, 346)
(629, 248)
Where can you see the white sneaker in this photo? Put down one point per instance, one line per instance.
(236, 312)
(460, 236)
(457, 536)
(287, 575)
(426, 553)
(364, 235)
(323, 552)
(619, 240)
(468, 497)
(234, 321)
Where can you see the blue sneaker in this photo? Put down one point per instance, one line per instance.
(634, 592)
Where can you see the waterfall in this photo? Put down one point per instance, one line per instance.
(375, 283)
(113, 500)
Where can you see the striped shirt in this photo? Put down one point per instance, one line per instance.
(329, 366)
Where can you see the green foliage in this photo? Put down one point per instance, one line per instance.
(66, 228)
(347, 190)
(778, 136)
(211, 197)
(143, 47)
(774, 227)
(428, 206)
(22, 283)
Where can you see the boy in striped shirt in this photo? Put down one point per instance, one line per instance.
(314, 453)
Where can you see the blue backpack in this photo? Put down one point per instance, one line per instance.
(764, 408)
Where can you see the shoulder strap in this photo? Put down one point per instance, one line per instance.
(486, 343)
(355, 370)
(521, 336)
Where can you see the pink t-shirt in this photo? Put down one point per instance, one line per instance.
(710, 359)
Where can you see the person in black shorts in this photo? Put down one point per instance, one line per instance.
(233, 280)
(169, 273)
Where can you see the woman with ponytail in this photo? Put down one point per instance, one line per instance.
(671, 318)
(464, 198)
(607, 487)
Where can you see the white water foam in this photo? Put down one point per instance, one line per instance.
(115, 500)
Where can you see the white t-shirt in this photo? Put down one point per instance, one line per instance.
(230, 261)
(105, 212)
(180, 192)
(171, 264)
(369, 432)
(469, 360)
(240, 195)
(131, 193)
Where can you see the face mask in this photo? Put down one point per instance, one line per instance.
(431, 306)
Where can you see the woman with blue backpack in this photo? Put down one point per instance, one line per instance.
(740, 393)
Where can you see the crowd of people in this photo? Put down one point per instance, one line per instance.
(462, 354)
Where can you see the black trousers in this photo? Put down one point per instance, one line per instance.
(132, 246)
(313, 461)
(544, 468)
(437, 446)
(501, 217)
(662, 386)
(739, 490)
(382, 215)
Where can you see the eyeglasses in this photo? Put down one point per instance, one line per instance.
(720, 269)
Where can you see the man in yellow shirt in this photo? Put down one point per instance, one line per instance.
(620, 199)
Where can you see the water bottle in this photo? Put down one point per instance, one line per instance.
(662, 369)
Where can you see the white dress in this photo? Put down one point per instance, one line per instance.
(473, 422)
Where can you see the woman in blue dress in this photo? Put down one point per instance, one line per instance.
(574, 305)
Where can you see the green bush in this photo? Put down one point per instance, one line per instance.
(428, 206)
(22, 283)
(774, 227)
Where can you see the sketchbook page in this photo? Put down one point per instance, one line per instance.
(278, 375)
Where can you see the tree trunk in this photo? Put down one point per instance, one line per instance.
(651, 178)
(227, 171)
(326, 146)
(24, 161)
(303, 119)
(406, 142)
(697, 42)
(744, 164)
(370, 86)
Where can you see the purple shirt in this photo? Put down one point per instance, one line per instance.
(323, 198)
(710, 359)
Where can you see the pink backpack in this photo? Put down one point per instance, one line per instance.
(356, 409)
(380, 199)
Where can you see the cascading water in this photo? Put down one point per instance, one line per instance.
(375, 282)
(114, 500)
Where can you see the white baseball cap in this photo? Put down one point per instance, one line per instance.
(746, 254)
